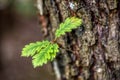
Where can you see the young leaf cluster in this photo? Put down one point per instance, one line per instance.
(68, 25)
(41, 52)
(44, 51)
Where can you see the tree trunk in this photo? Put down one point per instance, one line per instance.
(95, 45)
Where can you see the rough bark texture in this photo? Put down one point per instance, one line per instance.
(95, 45)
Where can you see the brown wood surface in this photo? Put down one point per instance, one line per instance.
(95, 45)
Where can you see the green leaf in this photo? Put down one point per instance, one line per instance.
(68, 25)
(41, 52)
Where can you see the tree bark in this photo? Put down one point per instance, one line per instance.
(95, 45)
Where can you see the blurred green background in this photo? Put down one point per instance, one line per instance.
(19, 26)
